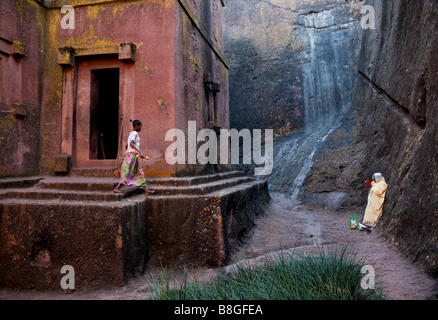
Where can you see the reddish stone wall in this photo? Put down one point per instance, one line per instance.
(148, 83)
(177, 48)
(96, 238)
(20, 80)
(199, 61)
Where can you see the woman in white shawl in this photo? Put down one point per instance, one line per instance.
(376, 198)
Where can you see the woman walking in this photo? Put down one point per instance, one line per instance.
(131, 171)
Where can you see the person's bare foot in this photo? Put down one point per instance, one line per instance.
(118, 191)
(149, 192)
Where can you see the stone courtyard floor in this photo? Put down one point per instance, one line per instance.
(293, 228)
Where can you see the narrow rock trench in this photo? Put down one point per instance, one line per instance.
(339, 113)
(334, 101)
(288, 227)
(299, 228)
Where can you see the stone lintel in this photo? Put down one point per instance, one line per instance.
(19, 49)
(66, 56)
(125, 51)
(15, 48)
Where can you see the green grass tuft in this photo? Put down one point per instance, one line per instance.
(333, 275)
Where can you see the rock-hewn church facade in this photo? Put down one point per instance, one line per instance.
(73, 73)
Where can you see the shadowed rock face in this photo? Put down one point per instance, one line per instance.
(391, 129)
(292, 70)
(292, 62)
(399, 95)
(265, 87)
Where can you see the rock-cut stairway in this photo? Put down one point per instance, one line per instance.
(49, 222)
(100, 188)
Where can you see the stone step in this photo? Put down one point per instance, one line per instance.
(70, 203)
(108, 183)
(71, 195)
(78, 183)
(250, 185)
(84, 198)
(200, 189)
(94, 172)
(19, 182)
(197, 180)
(22, 182)
(101, 188)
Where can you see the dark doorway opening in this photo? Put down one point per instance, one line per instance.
(104, 113)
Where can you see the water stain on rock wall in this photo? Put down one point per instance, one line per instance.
(395, 103)
(361, 101)
(292, 70)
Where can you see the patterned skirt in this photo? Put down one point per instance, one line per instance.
(131, 171)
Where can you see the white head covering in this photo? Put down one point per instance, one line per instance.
(377, 176)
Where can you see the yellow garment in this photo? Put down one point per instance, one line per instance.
(376, 198)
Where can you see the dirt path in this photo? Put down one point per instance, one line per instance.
(291, 226)
(288, 226)
(297, 226)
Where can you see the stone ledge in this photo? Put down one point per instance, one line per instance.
(203, 230)
(19, 49)
(108, 239)
(57, 4)
(126, 52)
